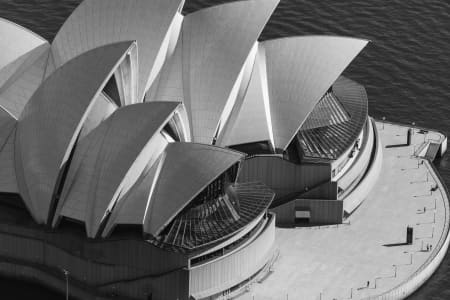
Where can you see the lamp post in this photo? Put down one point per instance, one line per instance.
(66, 275)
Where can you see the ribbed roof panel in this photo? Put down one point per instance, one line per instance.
(252, 124)
(330, 142)
(100, 22)
(15, 41)
(52, 120)
(187, 168)
(216, 221)
(16, 91)
(108, 162)
(216, 43)
(299, 72)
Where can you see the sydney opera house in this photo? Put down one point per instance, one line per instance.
(151, 154)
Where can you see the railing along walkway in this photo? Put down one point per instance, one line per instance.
(406, 288)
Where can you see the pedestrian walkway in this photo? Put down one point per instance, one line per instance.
(369, 256)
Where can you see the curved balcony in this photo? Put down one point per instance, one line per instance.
(335, 123)
(356, 168)
(219, 218)
(235, 268)
(361, 177)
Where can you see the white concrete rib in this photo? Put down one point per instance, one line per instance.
(251, 124)
(215, 48)
(108, 162)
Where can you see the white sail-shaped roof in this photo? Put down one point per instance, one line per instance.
(185, 170)
(108, 162)
(169, 84)
(11, 71)
(99, 22)
(252, 123)
(102, 108)
(299, 72)
(52, 120)
(8, 182)
(17, 90)
(216, 43)
(23, 58)
(131, 209)
(7, 124)
(16, 41)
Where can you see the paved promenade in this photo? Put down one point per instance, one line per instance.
(338, 262)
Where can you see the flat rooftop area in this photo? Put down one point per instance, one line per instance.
(336, 262)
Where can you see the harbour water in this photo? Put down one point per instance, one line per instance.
(405, 68)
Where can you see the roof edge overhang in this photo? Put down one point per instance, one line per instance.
(180, 209)
(364, 43)
(46, 217)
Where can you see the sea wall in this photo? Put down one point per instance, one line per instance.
(419, 277)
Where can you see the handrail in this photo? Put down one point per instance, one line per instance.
(442, 239)
(371, 132)
(441, 134)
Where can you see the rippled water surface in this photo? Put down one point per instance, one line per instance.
(405, 68)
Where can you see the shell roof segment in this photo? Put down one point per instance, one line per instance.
(110, 160)
(52, 120)
(215, 48)
(186, 169)
(96, 23)
(299, 72)
(16, 41)
(109, 170)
